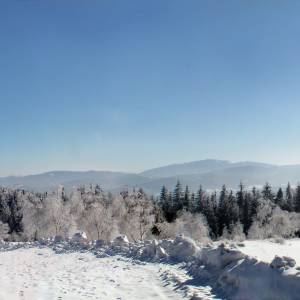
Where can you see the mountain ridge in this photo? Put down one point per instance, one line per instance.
(210, 173)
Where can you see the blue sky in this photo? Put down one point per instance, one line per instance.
(129, 85)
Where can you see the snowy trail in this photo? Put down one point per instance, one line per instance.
(38, 274)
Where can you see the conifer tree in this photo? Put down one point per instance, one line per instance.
(279, 200)
(192, 203)
(200, 201)
(297, 199)
(210, 212)
(186, 198)
(255, 195)
(240, 198)
(248, 211)
(267, 192)
(233, 210)
(223, 208)
(166, 204)
(289, 198)
(178, 197)
(163, 195)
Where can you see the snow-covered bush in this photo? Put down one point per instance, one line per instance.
(58, 219)
(136, 216)
(190, 225)
(3, 231)
(98, 221)
(271, 221)
(183, 248)
(34, 219)
(234, 233)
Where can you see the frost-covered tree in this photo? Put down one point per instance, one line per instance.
(3, 231)
(34, 215)
(137, 217)
(98, 221)
(271, 221)
(188, 224)
(58, 220)
(234, 232)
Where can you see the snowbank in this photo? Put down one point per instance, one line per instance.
(239, 276)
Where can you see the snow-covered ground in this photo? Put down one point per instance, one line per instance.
(41, 274)
(167, 269)
(268, 249)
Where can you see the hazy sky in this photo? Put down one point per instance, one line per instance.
(128, 85)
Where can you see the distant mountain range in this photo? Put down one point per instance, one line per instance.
(211, 174)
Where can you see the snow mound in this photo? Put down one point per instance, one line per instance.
(221, 256)
(183, 249)
(121, 241)
(99, 243)
(283, 262)
(58, 239)
(239, 276)
(79, 237)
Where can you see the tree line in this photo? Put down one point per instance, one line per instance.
(254, 213)
(225, 209)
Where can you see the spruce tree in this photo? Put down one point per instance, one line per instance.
(186, 198)
(254, 196)
(279, 200)
(222, 210)
(297, 199)
(267, 192)
(163, 201)
(248, 212)
(192, 204)
(233, 210)
(240, 198)
(211, 214)
(289, 198)
(200, 200)
(177, 197)
(163, 195)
